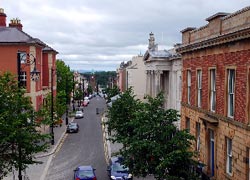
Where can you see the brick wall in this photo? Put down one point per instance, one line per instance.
(211, 47)
(225, 56)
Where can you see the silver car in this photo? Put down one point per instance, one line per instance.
(79, 114)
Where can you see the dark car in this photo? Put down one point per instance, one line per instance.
(84, 173)
(72, 127)
(117, 171)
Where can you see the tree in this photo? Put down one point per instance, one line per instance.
(65, 83)
(19, 138)
(112, 92)
(102, 77)
(90, 89)
(151, 142)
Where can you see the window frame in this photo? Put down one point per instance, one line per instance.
(198, 136)
(189, 78)
(229, 156)
(212, 75)
(199, 87)
(23, 79)
(231, 92)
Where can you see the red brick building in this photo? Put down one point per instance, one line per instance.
(216, 93)
(13, 40)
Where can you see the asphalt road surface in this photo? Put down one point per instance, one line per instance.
(82, 148)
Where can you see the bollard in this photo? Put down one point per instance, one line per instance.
(97, 110)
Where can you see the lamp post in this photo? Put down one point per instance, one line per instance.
(52, 108)
(24, 58)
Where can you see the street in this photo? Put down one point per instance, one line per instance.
(82, 148)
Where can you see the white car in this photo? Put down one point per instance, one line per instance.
(79, 114)
(86, 99)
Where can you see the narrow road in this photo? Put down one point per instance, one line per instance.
(82, 148)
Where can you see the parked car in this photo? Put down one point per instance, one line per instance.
(85, 103)
(72, 127)
(84, 173)
(86, 99)
(116, 170)
(79, 114)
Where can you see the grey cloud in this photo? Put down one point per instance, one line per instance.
(99, 34)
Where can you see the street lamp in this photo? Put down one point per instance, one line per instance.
(24, 58)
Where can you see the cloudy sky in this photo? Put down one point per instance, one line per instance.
(100, 34)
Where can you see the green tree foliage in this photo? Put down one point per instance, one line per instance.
(89, 89)
(151, 142)
(102, 77)
(20, 139)
(65, 83)
(112, 92)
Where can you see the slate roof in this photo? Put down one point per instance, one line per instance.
(162, 54)
(13, 35)
(159, 54)
(48, 48)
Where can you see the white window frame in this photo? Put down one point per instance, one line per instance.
(199, 87)
(23, 79)
(188, 86)
(230, 91)
(212, 90)
(229, 163)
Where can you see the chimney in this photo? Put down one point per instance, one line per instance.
(2, 18)
(16, 23)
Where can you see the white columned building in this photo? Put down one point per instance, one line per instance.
(163, 69)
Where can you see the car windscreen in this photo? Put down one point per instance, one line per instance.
(84, 174)
(117, 167)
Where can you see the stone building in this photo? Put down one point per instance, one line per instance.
(216, 93)
(137, 77)
(163, 73)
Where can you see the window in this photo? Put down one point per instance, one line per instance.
(188, 86)
(230, 91)
(212, 90)
(199, 90)
(229, 156)
(211, 152)
(188, 124)
(23, 79)
(198, 133)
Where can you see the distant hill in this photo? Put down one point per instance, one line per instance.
(90, 71)
(102, 77)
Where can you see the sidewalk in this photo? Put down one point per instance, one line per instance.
(110, 148)
(39, 171)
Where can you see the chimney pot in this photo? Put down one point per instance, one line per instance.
(2, 18)
(16, 23)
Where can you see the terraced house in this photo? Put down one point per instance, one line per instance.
(216, 93)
